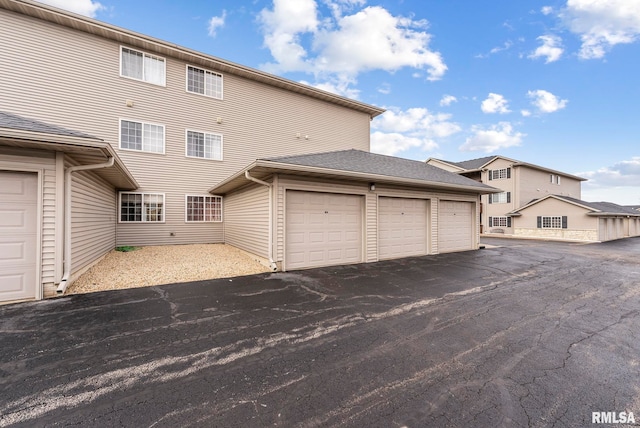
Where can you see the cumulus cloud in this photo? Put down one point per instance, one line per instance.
(496, 137)
(525, 113)
(546, 10)
(399, 130)
(495, 103)
(602, 24)
(625, 173)
(545, 101)
(447, 100)
(551, 49)
(345, 44)
(216, 22)
(82, 7)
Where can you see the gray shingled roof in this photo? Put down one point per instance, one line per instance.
(13, 121)
(602, 207)
(472, 163)
(371, 163)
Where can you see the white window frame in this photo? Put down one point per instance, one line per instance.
(143, 216)
(145, 55)
(499, 198)
(212, 197)
(164, 136)
(500, 221)
(499, 174)
(552, 222)
(204, 134)
(204, 94)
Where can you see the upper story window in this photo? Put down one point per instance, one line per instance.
(145, 137)
(499, 174)
(204, 82)
(203, 208)
(142, 66)
(141, 207)
(554, 179)
(500, 198)
(204, 145)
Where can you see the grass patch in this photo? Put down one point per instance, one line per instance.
(126, 249)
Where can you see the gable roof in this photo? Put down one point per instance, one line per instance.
(472, 164)
(359, 165)
(596, 208)
(131, 38)
(27, 133)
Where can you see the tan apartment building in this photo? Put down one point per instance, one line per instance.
(111, 138)
(538, 202)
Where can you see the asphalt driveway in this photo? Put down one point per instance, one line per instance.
(523, 334)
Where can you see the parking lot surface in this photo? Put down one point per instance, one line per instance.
(520, 334)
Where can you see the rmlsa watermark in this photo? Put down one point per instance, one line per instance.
(612, 418)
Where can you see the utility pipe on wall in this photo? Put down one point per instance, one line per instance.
(272, 263)
(62, 287)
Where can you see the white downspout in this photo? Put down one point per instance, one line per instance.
(272, 263)
(62, 287)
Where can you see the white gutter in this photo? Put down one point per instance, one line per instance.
(272, 263)
(62, 287)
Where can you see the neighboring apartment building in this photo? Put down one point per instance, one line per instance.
(111, 138)
(539, 202)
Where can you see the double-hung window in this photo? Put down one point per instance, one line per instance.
(204, 145)
(144, 137)
(499, 174)
(142, 66)
(204, 82)
(203, 208)
(141, 207)
(500, 198)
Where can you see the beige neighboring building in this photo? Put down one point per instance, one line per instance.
(519, 182)
(112, 138)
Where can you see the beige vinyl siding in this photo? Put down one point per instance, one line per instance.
(534, 184)
(93, 218)
(72, 79)
(371, 227)
(246, 224)
(580, 226)
(13, 159)
(433, 239)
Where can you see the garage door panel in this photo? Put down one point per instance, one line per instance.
(330, 234)
(455, 223)
(18, 235)
(402, 227)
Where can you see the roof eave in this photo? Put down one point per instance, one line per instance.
(553, 171)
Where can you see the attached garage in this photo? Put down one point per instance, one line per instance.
(402, 227)
(18, 235)
(322, 229)
(351, 206)
(455, 226)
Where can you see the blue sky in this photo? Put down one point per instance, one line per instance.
(554, 83)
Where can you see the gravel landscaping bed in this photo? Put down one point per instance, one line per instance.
(166, 264)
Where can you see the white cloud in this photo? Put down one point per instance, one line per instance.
(546, 10)
(83, 7)
(384, 88)
(622, 174)
(545, 101)
(602, 24)
(495, 103)
(343, 46)
(525, 113)
(397, 130)
(447, 100)
(551, 49)
(337, 86)
(216, 22)
(506, 46)
(494, 138)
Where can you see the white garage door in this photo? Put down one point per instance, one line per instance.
(455, 226)
(322, 229)
(402, 227)
(18, 235)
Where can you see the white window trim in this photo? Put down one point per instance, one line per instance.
(163, 84)
(164, 136)
(186, 82)
(186, 146)
(499, 172)
(551, 217)
(499, 195)
(501, 218)
(186, 207)
(164, 207)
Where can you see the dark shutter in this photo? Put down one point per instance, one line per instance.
(490, 175)
(508, 197)
(508, 221)
(490, 221)
(508, 172)
(564, 221)
(539, 222)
